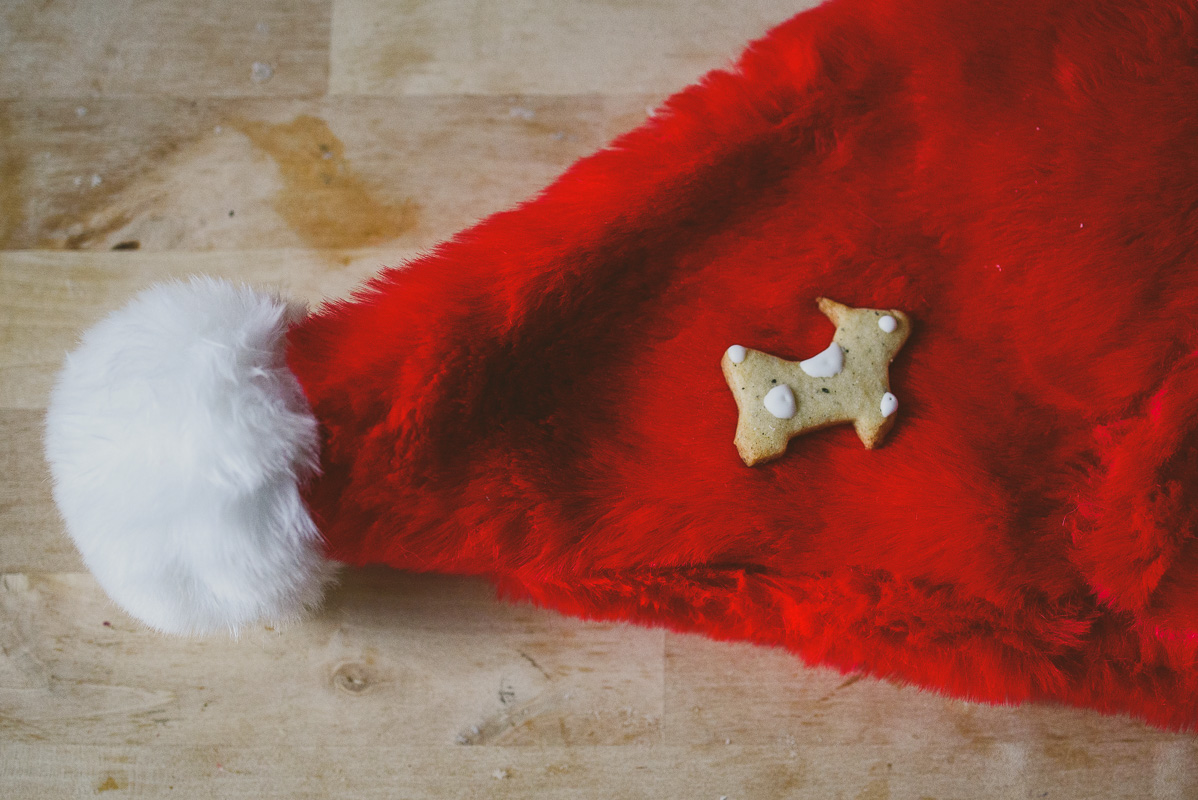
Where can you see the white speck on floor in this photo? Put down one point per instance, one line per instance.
(522, 113)
(81, 111)
(96, 181)
(261, 72)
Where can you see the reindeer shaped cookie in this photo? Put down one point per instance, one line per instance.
(847, 382)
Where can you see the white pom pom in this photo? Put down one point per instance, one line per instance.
(178, 440)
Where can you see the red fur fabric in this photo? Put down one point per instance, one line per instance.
(540, 401)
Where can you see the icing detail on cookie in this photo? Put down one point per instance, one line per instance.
(780, 401)
(847, 383)
(888, 405)
(826, 365)
(887, 323)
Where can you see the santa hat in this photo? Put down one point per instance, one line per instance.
(549, 400)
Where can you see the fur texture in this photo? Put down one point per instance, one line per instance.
(177, 439)
(539, 401)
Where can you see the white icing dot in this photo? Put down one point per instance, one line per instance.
(826, 364)
(889, 404)
(887, 323)
(736, 353)
(780, 401)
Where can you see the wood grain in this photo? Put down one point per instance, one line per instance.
(136, 146)
(764, 697)
(48, 298)
(169, 174)
(31, 536)
(538, 46)
(434, 657)
(397, 770)
(176, 48)
(427, 677)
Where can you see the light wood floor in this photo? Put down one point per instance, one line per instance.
(301, 144)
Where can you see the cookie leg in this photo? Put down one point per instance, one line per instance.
(755, 448)
(872, 430)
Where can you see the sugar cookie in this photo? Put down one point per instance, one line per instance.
(847, 382)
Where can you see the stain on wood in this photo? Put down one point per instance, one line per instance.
(90, 235)
(181, 178)
(110, 783)
(322, 198)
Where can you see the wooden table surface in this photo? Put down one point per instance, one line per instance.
(300, 145)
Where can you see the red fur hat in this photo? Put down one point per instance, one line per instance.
(540, 400)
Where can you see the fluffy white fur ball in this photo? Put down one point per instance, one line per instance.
(178, 440)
